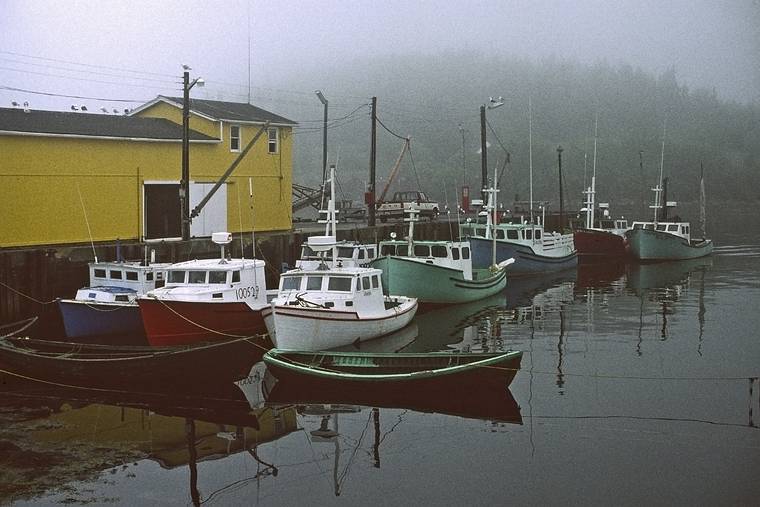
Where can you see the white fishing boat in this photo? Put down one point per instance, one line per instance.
(333, 305)
(206, 300)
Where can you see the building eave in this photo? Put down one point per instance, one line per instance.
(107, 138)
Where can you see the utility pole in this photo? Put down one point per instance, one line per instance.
(184, 184)
(483, 153)
(370, 196)
(561, 203)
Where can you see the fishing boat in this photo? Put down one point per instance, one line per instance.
(206, 300)
(133, 368)
(333, 306)
(402, 369)
(107, 307)
(532, 249)
(436, 272)
(663, 239)
(601, 235)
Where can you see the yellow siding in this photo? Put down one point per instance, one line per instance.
(41, 179)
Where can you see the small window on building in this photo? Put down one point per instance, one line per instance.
(341, 284)
(235, 276)
(115, 275)
(439, 251)
(274, 139)
(217, 277)
(196, 277)
(176, 277)
(455, 254)
(375, 282)
(465, 253)
(291, 282)
(314, 283)
(132, 275)
(366, 284)
(234, 137)
(100, 273)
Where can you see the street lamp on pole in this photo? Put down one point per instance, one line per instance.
(323, 100)
(184, 185)
(493, 104)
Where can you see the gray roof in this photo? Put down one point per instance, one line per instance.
(233, 111)
(96, 125)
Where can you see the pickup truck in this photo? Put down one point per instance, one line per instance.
(403, 201)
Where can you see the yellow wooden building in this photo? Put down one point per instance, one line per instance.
(67, 178)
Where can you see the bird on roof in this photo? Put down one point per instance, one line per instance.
(26, 104)
(84, 108)
(186, 67)
(104, 109)
(115, 110)
(14, 103)
(74, 108)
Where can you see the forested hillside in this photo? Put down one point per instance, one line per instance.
(429, 97)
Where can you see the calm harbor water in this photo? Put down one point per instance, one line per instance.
(638, 384)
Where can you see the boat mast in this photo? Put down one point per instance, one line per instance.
(702, 199)
(530, 154)
(658, 189)
(494, 191)
(592, 190)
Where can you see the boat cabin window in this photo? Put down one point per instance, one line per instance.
(366, 284)
(422, 250)
(121, 298)
(673, 228)
(388, 250)
(660, 227)
(100, 273)
(538, 233)
(481, 231)
(176, 277)
(307, 252)
(499, 233)
(370, 252)
(528, 233)
(361, 253)
(291, 282)
(512, 234)
(149, 276)
(115, 275)
(465, 252)
(607, 224)
(217, 276)
(439, 251)
(339, 284)
(196, 277)
(375, 281)
(314, 283)
(131, 275)
(235, 276)
(455, 253)
(346, 252)
(649, 227)
(687, 230)
(403, 250)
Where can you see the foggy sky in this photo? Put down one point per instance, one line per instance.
(710, 44)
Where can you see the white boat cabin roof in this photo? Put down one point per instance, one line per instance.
(126, 275)
(338, 280)
(682, 229)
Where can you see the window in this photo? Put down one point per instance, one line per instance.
(361, 253)
(345, 251)
(375, 282)
(687, 229)
(439, 251)
(421, 250)
(528, 233)
(274, 141)
(149, 276)
(660, 227)
(388, 250)
(217, 276)
(371, 252)
(234, 137)
(366, 285)
(115, 275)
(339, 283)
(455, 254)
(100, 273)
(314, 283)
(235, 276)
(403, 250)
(465, 253)
(291, 282)
(512, 234)
(132, 275)
(176, 277)
(673, 227)
(196, 277)
(121, 298)
(499, 233)
(538, 234)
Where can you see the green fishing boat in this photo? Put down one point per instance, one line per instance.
(398, 368)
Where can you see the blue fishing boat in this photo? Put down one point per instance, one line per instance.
(108, 305)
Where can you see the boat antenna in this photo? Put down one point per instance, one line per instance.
(702, 199)
(448, 210)
(92, 243)
(530, 154)
(240, 221)
(253, 216)
(494, 190)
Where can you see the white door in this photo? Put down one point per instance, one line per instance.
(213, 216)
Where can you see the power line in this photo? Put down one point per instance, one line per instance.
(153, 87)
(389, 130)
(86, 64)
(109, 74)
(21, 90)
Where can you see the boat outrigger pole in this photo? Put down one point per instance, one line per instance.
(197, 210)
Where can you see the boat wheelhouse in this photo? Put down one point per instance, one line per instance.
(665, 240)
(348, 254)
(206, 300)
(108, 305)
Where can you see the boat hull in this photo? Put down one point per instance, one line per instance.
(87, 321)
(300, 328)
(646, 244)
(527, 261)
(590, 242)
(436, 284)
(186, 322)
